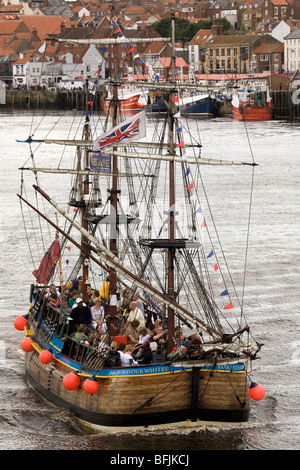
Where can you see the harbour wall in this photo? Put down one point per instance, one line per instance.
(286, 104)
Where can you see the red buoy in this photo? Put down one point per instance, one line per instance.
(256, 391)
(46, 357)
(91, 385)
(20, 323)
(26, 344)
(71, 381)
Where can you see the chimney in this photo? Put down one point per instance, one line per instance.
(217, 29)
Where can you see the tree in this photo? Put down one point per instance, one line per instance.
(184, 30)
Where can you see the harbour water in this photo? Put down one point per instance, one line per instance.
(271, 297)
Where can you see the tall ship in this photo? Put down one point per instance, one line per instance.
(135, 227)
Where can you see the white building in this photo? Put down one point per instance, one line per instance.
(292, 51)
(65, 71)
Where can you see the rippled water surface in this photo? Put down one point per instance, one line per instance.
(271, 300)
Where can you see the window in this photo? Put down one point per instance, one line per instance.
(264, 57)
(228, 51)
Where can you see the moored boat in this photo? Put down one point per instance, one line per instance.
(137, 210)
(252, 105)
(201, 105)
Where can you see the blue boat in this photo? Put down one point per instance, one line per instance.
(198, 105)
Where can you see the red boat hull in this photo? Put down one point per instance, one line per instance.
(246, 112)
(129, 104)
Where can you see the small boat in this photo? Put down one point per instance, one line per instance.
(128, 218)
(202, 105)
(252, 105)
(130, 99)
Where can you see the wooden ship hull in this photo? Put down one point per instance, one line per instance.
(147, 395)
(165, 391)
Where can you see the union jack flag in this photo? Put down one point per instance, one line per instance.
(132, 129)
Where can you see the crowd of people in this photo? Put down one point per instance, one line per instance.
(140, 339)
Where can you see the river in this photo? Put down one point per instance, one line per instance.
(272, 292)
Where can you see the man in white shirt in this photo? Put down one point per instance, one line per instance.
(126, 356)
(135, 314)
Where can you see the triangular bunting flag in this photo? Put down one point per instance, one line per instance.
(202, 226)
(191, 186)
(175, 99)
(187, 172)
(177, 115)
(132, 49)
(179, 129)
(181, 144)
(225, 292)
(68, 248)
(117, 31)
(228, 307)
(210, 254)
(216, 267)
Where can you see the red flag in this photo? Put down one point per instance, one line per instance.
(228, 307)
(203, 224)
(176, 99)
(46, 269)
(90, 102)
(132, 49)
(216, 267)
(181, 144)
(68, 248)
(117, 31)
(191, 186)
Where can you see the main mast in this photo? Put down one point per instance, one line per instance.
(171, 250)
(84, 221)
(114, 191)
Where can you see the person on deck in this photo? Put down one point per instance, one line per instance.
(131, 333)
(53, 290)
(126, 356)
(135, 314)
(98, 313)
(104, 292)
(75, 285)
(81, 314)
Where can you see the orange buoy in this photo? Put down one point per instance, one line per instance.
(71, 381)
(256, 391)
(26, 344)
(46, 356)
(20, 323)
(91, 385)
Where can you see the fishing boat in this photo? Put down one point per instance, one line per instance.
(252, 105)
(201, 105)
(130, 99)
(137, 212)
